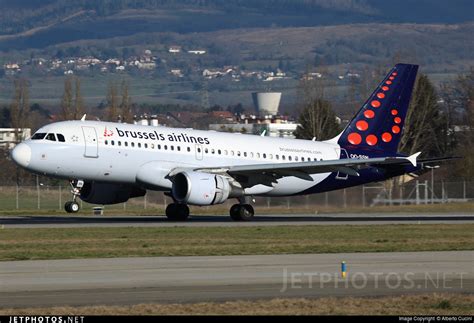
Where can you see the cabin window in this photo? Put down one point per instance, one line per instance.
(225, 152)
(296, 158)
(133, 144)
(245, 154)
(139, 145)
(106, 142)
(258, 155)
(277, 157)
(283, 157)
(213, 151)
(188, 149)
(219, 151)
(206, 150)
(60, 137)
(289, 158)
(251, 155)
(178, 148)
(199, 150)
(171, 147)
(112, 142)
(38, 136)
(264, 155)
(165, 147)
(238, 154)
(126, 143)
(158, 146)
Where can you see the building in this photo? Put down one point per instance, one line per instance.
(266, 102)
(174, 49)
(7, 136)
(197, 52)
(271, 126)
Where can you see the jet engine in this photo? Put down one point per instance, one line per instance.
(108, 193)
(202, 188)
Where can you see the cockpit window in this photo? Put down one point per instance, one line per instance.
(51, 136)
(38, 136)
(60, 137)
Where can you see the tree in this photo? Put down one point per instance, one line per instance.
(112, 112)
(20, 107)
(317, 120)
(459, 104)
(125, 105)
(425, 125)
(78, 102)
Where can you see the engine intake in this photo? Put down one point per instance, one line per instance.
(202, 188)
(107, 193)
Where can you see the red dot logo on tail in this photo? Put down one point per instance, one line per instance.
(375, 103)
(369, 114)
(354, 138)
(386, 137)
(362, 125)
(371, 140)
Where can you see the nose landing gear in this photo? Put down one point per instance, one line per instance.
(73, 206)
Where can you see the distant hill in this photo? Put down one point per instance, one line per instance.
(41, 23)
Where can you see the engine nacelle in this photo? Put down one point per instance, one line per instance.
(202, 188)
(107, 193)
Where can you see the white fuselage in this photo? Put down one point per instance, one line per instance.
(115, 152)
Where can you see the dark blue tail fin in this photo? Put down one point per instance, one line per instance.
(379, 123)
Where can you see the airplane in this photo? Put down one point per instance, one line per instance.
(108, 163)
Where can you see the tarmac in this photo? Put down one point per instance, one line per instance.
(75, 221)
(126, 281)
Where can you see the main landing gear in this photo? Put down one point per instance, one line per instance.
(238, 212)
(242, 211)
(177, 212)
(73, 206)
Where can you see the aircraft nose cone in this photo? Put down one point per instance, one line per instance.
(21, 154)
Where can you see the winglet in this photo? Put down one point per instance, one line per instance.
(412, 158)
(83, 117)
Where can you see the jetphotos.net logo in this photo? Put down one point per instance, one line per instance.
(424, 281)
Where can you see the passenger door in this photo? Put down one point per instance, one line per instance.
(91, 143)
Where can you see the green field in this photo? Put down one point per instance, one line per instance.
(64, 243)
(425, 304)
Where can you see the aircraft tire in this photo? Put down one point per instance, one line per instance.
(177, 212)
(241, 212)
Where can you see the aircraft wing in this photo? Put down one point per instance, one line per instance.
(266, 174)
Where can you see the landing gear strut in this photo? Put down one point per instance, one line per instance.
(73, 206)
(177, 212)
(242, 211)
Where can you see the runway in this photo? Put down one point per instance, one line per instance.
(74, 221)
(119, 281)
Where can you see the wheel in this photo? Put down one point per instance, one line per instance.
(241, 212)
(177, 212)
(74, 207)
(67, 207)
(71, 207)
